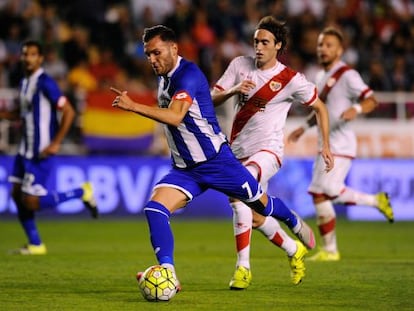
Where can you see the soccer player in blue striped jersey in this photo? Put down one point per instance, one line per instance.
(40, 99)
(201, 156)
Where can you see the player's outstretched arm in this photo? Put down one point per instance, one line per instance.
(173, 115)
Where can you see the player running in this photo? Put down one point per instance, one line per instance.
(266, 89)
(40, 99)
(346, 96)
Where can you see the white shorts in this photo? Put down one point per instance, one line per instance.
(263, 165)
(329, 183)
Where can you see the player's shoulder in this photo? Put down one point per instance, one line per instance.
(288, 70)
(243, 60)
(187, 67)
(188, 73)
(45, 78)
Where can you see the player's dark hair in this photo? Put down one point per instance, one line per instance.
(165, 33)
(34, 43)
(277, 28)
(332, 31)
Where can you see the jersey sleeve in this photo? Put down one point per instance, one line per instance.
(186, 84)
(305, 91)
(51, 90)
(357, 88)
(228, 79)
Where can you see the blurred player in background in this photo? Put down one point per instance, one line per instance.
(42, 135)
(201, 156)
(346, 96)
(266, 89)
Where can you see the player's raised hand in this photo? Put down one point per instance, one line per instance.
(245, 86)
(122, 100)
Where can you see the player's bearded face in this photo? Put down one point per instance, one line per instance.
(328, 50)
(31, 59)
(161, 55)
(266, 48)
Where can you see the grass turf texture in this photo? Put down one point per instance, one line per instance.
(91, 265)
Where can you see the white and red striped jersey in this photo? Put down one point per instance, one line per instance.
(276, 89)
(347, 90)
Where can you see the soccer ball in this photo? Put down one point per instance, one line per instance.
(158, 283)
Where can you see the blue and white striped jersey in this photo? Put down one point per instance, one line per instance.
(198, 138)
(40, 98)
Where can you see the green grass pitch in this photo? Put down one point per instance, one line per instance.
(91, 265)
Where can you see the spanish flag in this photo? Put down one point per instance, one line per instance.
(107, 129)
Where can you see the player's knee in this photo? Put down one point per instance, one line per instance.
(156, 207)
(258, 220)
(30, 202)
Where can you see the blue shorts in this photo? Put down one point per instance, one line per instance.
(33, 174)
(223, 173)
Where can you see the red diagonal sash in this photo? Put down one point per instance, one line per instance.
(332, 81)
(259, 100)
(328, 86)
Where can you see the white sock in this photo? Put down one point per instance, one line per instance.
(326, 221)
(353, 197)
(274, 232)
(242, 225)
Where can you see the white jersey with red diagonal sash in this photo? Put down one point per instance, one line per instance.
(276, 89)
(346, 91)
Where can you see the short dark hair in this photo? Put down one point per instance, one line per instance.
(165, 33)
(34, 43)
(277, 28)
(332, 31)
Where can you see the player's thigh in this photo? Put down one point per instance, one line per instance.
(36, 176)
(330, 183)
(230, 177)
(176, 189)
(263, 165)
(171, 198)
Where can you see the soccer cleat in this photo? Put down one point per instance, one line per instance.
(89, 199)
(384, 206)
(31, 249)
(178, 287)
(323, 255)
(305, 233)
(241, 279)
(297, 264)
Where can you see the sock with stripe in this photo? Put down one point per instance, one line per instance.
(242, 225)
(54, 198)
(162, 239)
(277, 209)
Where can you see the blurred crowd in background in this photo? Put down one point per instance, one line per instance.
(93, 44)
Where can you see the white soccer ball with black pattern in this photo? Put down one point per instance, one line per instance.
(157, 283)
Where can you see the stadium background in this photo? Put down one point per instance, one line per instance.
(91, 45)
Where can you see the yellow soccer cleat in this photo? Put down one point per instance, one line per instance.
(241, 279)
(323, 255)
(384, 206)
(297, 263)
(31, 249)
(89, 199)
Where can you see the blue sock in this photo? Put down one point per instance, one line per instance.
(162, 239)
(29, 226)
(54, 198)
(277, 209)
